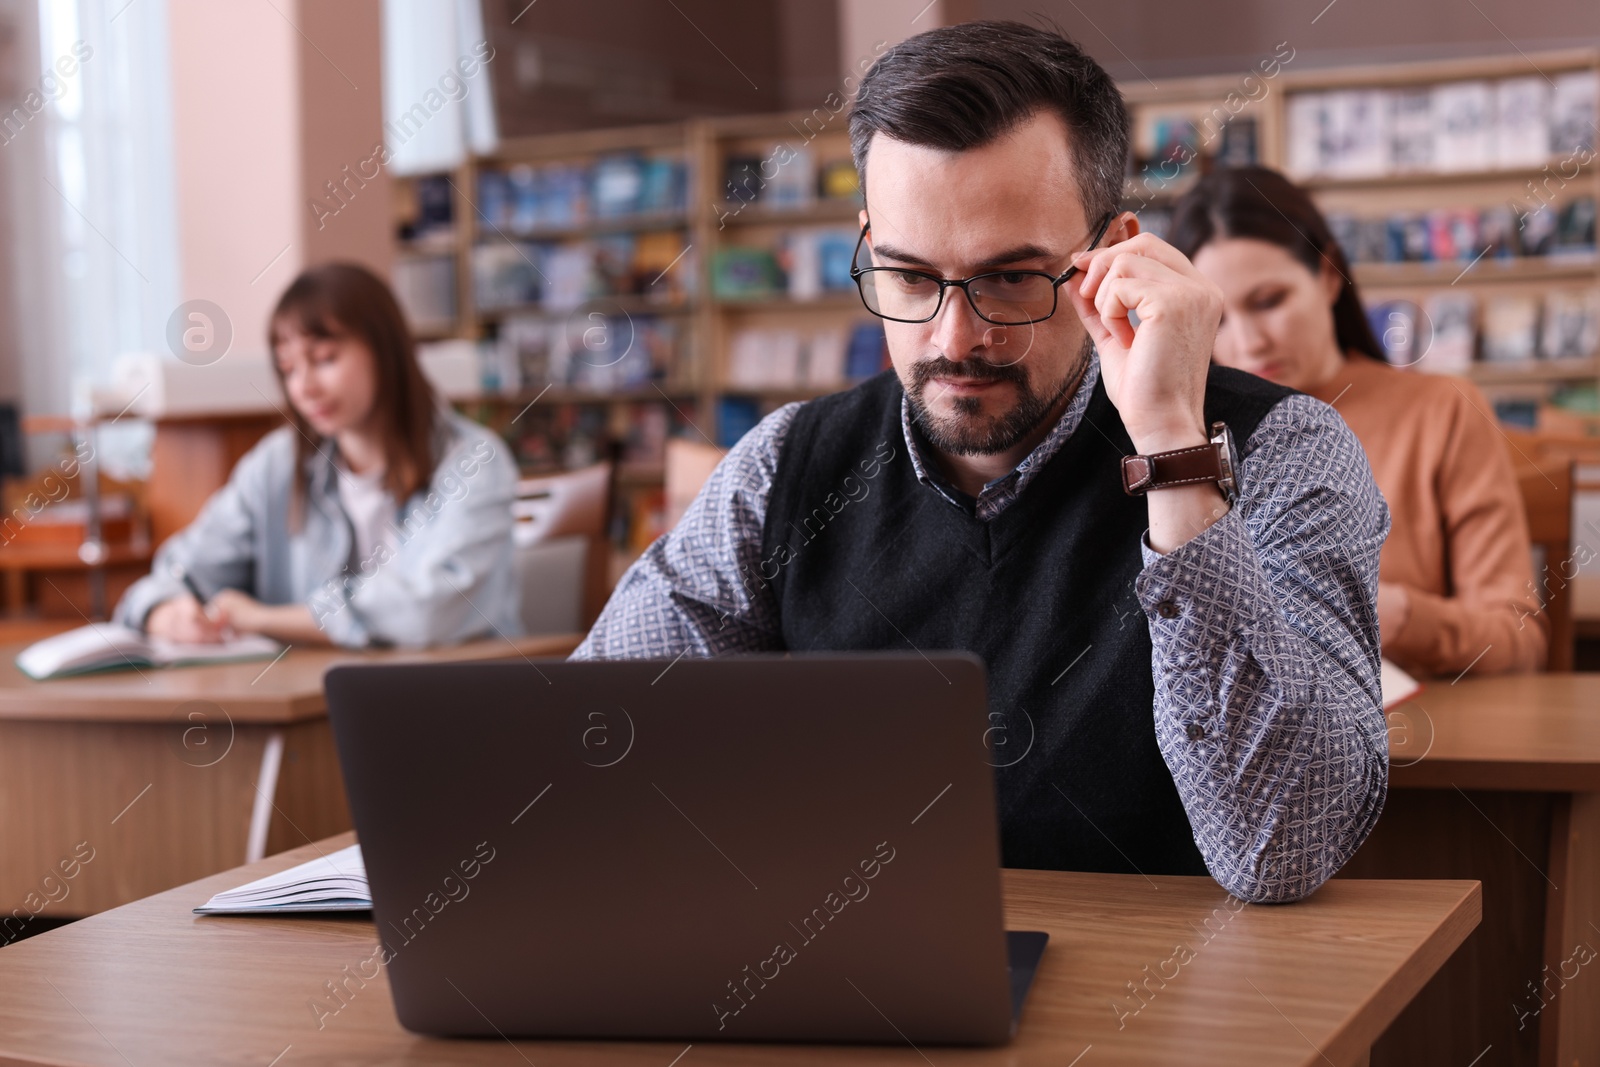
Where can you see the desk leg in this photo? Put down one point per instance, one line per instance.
(1572, 935)
(309, 803)
(266, 790)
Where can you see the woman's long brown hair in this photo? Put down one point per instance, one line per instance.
(339, 300)
(1259, 202)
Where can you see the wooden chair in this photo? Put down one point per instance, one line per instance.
(1586, 533)
(689, 464)
(1567, 439)
(575, 504)
(1547, 497)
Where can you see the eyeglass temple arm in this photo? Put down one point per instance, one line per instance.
(1105, 224)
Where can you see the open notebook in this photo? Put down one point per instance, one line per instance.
(335, 882)
(105, 646)
(1396, 685)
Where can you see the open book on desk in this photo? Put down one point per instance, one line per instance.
(1396, 684)
(335, 882)
(105, 646)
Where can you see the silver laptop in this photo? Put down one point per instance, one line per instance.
(752, 848)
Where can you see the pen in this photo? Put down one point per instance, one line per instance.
(189, 583)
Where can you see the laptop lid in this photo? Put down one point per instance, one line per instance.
(751, 848)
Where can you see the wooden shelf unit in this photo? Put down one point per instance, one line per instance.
(1408, 192)
(708, 323)
(711, 223)
(698, 379)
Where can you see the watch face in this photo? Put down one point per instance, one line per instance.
(1222, 437)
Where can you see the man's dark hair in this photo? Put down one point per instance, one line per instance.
(960, 87)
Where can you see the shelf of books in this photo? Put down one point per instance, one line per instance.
(600, 292)
(592, 295)
(787, 323)
(1463, 193)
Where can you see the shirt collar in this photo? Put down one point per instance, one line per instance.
(1017, 480)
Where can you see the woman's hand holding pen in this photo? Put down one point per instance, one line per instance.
(239, 612)
(189, 617)
(230, 612)
(184, 619)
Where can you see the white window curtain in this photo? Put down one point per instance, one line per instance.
(89, 161)
(108, 180)
(438, 106)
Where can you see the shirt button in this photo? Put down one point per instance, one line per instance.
(1194, 731)
(1167, 609)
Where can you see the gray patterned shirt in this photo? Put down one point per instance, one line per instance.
(1264, 632)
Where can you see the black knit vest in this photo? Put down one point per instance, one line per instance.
(863, 557)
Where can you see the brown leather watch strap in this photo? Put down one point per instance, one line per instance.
(1183, 466)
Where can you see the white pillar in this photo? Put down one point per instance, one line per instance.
(236, 143)
(265, 114)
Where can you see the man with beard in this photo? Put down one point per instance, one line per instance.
(1168, 569)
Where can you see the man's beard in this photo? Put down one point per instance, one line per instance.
(969, 432)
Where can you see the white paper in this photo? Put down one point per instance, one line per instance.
(1395, 684)
(336, 882)
(106, 645)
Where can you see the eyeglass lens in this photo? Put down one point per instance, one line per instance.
(1003, 299)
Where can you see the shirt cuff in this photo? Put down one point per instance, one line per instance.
(1203, 583)
(144, 597)
(333, 613)
(1198, 599)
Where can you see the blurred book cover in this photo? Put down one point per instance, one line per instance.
(1510, 328)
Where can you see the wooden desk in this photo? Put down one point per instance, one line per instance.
(1309, 983)
(170, 775)
(1498, 779)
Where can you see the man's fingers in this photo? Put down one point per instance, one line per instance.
(1129, 264)
(1145, 244)
(1121, 294)
(1113, 333)
(1130, 256)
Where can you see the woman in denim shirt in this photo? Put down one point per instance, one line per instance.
(376, 517)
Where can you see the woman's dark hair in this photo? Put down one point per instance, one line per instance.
(1260, 203)
(960, 87)
(339, 300)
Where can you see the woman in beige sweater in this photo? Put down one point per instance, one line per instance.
(1455, 581)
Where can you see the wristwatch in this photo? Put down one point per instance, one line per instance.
(1213, 462)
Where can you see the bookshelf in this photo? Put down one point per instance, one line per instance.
(737, 271)
(783, 310)
(1417, 204)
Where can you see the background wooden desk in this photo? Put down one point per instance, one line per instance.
(1308, 983)
(170, 775)
(1498, 779)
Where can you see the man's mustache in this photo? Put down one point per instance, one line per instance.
(975, 370)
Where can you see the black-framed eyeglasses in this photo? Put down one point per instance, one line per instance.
(1003, 297)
